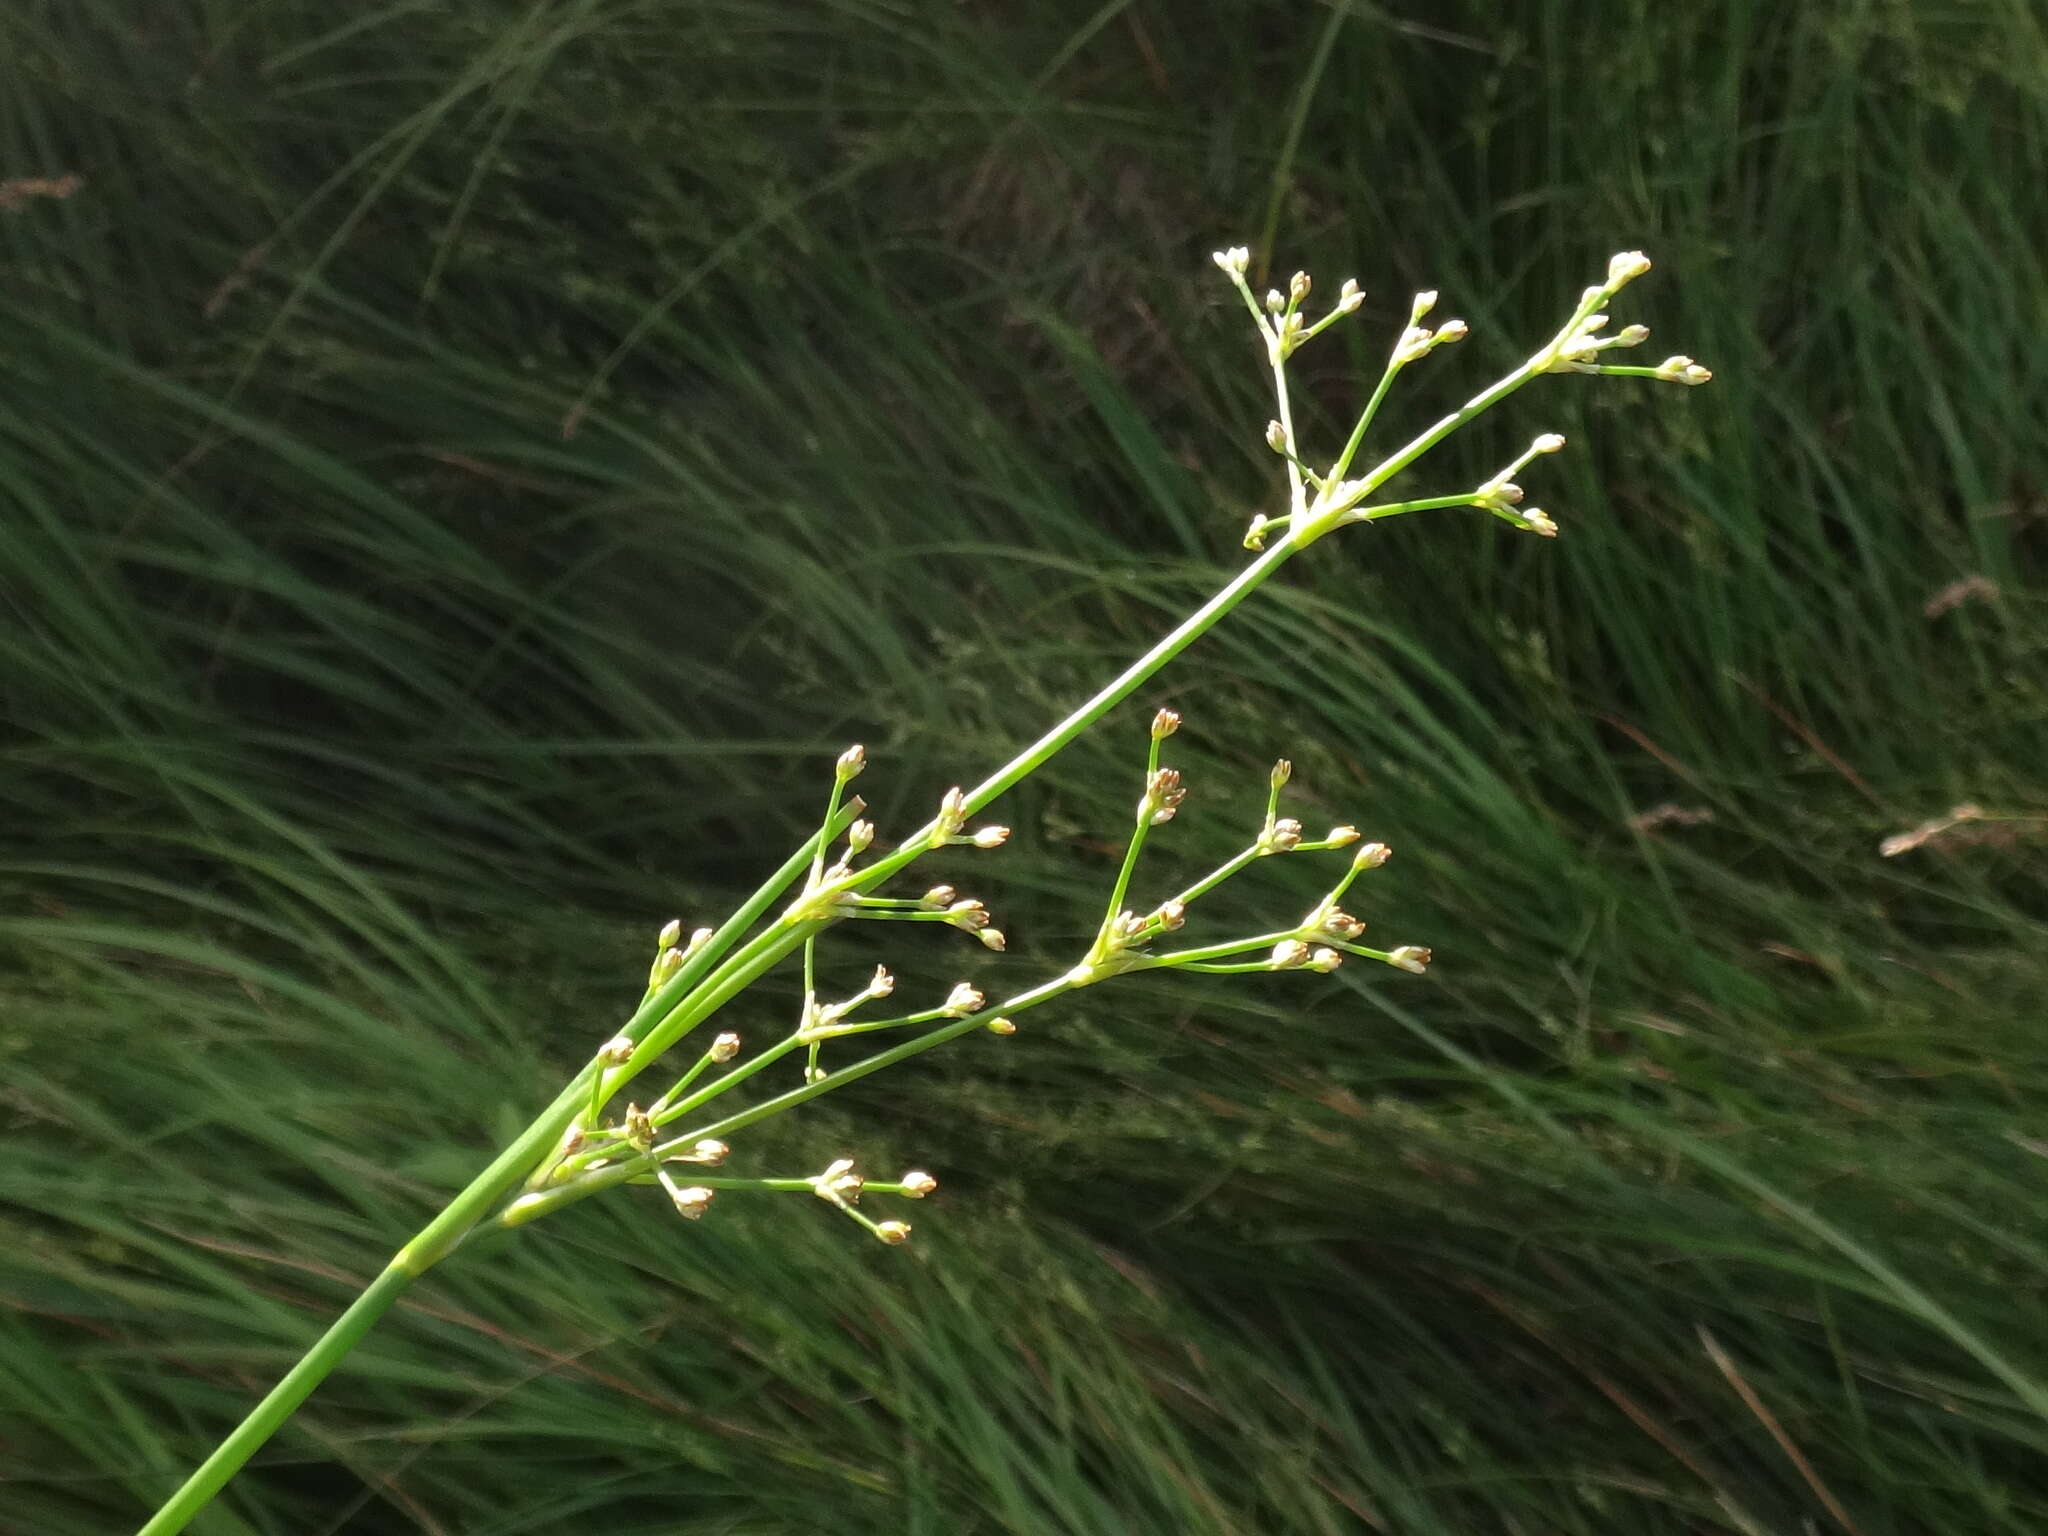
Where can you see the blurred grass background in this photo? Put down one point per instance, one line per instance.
(467, 467)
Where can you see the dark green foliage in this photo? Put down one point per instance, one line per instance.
(465, 469)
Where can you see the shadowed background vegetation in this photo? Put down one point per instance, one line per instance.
(467, 467)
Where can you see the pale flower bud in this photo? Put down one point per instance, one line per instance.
(1276, 437)
(814, 1074)
(952, 810)
(1538, 521)
(1410, 957)
(1283, 770)
(671, 932)
(851, 761)
(992, 938)
(1452, 330)
(991, 837)
(1626, 267)
(882, 984)
(709, 1151)
(894, 1233)
(1172, 915)
(1285, 836)
(1288, 955)
(937, 897)
(1234, 260)
(1325, 960)
(965, 998)
(617, 1051)
(918, 1185)
(969, 914)
(666, 964)
(1164, 724)
(1342, 837)
(725, 1047)
(1632, 336)
(1549, 442)
(693, 1200)
(1425, 301)
(1275, 301)
(1298, 287)
(1000, 1027)
(1371, 856)
(1349, 298)
(1339, 924)
(859, 835)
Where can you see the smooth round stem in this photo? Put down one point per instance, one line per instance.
(280, 1403)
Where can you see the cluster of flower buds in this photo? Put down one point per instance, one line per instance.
(1503, 498)
(1683, 370)
(1163, 795)
(1419, 340)
(879, 986)
(971, 916)
(1283, 324)
(1294, 955)
(951, 823)
(1282, 836)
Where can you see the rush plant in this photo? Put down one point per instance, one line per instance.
(592, 1138)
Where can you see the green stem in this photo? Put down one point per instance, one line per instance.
(281, 1402)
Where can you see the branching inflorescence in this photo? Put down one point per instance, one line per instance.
(587, 1141)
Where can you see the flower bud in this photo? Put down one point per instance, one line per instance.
(1371, 856)
(992, 938)
(698, 939)
(1288, 955)
(671, 932)
(964, 999)
(894, 1233)
(918, 1185)
(938, 897)
(1425, 301)
(1164, 724)
(1625, 267)
(666, 964)
(1413, 958)
(1549, 442)
(725, 1047)
(1452, 330)
(991, 837)
(1538, 521)
(1285, 836)
(1283, 770)
(1275, 301)
(1349, 298)
(851, 761)
(1342, 837)
(1276, 437)
(969, 914)
(1234, 260)
(1325, 960)
(859, 835)
(814, 1074)
(1632, 336)
(882, 984)
(1000, 1027)
(1172, 915)
(1298, 287)
(1339, 924)
(952, 810)
(617, 1051)
(709, 1151)
(693, 1200)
